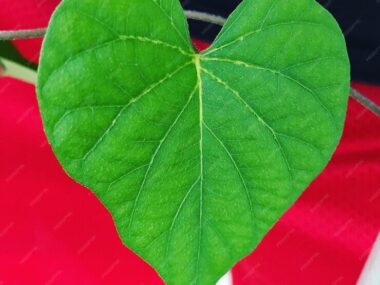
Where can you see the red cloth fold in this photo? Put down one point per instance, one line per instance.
(52, 228)
(53, 231)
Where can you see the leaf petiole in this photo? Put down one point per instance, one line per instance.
(15, 70)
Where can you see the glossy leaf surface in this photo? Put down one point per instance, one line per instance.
(196, 156)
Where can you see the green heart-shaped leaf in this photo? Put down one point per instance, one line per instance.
(196, 156)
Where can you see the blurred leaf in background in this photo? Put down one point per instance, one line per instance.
(24, 14)
(8, 51)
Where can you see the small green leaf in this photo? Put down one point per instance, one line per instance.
(196, 156)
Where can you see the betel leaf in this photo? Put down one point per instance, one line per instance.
(196, 156)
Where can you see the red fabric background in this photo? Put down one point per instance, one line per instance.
(26, 14)
(53, 231)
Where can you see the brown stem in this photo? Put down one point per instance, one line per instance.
(193, 15)
(22, 34)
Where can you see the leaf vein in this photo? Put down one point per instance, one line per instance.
(269, 27)
(131, 102)
(170, 18)
(105, 44)
(177, 214)
(236, 167)
(199, 77)
(152, 160)
(260, 119)
(70, 111)
(286, 76)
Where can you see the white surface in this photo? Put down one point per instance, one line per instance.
(371, 271)
(226, 280)
(369, 276)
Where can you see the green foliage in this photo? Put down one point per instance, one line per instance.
(8, 51)
(196, 156)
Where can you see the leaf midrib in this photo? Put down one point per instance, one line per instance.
(201, 121)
